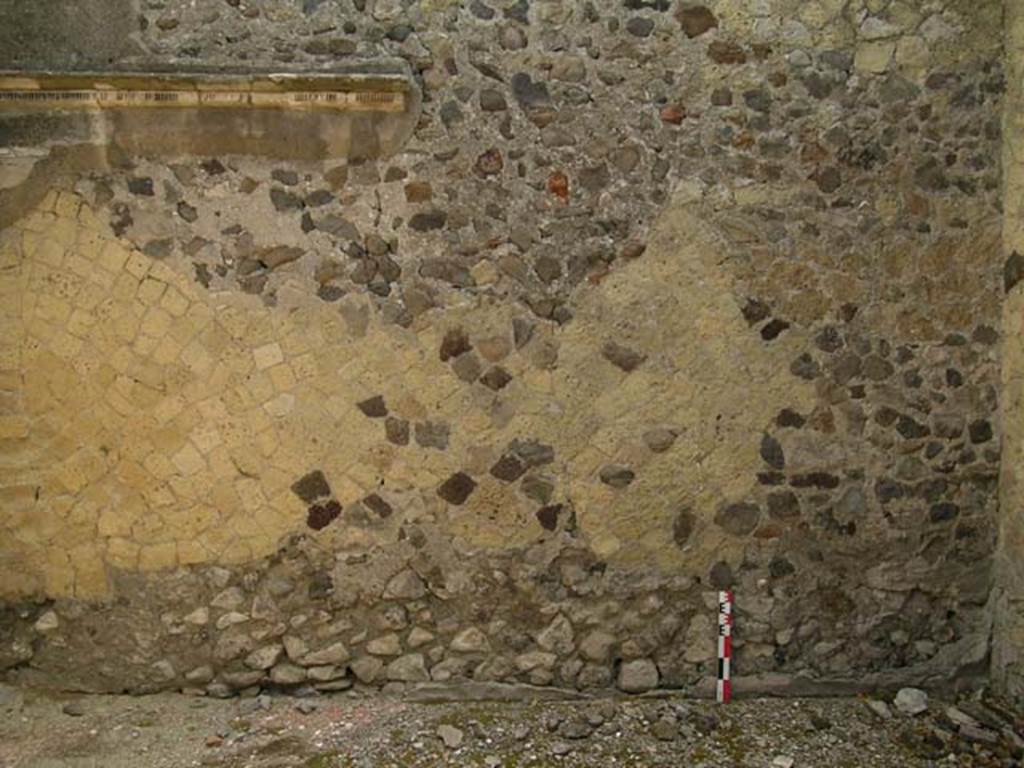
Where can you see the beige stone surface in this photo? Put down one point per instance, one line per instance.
(1008, 600)
(158, 425)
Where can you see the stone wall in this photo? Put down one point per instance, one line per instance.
(1008, 671)
(658, 298)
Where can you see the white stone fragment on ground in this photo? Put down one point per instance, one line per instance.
(911, 701)
(879, 708)
(450, 735)
(783, 761)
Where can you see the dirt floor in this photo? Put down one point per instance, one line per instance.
(352, 729)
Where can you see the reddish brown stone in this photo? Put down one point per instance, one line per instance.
(673, 114)
(508, 468)
(418, 192)
(558, 185)
(321, 515)
(725, 52)
(455, 343)
(373, 407)
(490, 163)
(548, 516)
(695, 19)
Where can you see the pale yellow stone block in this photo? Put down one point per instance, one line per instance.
(196, 359)
(188, 460)
(13, 427)
(250, 493)
(80, 266)
(159, 466)
(112, 256)
(282, 377)
(260, 387)
(280, 406)
(155, 557)
(49, 251)
(150, 291)
(268, 355)
(167, 351)
(191, 552)
(174, 303)
(158, 496)
(65, 345)
(145, 345)
(155, 323)
(67, 205)
(80, 323)
(137, 265)
(53, 309)
(114, 522)
(123, 554)
(206, 437)
(304, 366)
(60, 576)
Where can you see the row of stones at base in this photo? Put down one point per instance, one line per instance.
(634, 676)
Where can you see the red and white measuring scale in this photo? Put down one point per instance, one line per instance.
(723, 692)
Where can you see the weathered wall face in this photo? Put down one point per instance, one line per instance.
(656, 299)
(1008, 667)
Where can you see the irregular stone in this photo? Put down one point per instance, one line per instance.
(616, 476)
(508, 468)
(334, 654)
(367, 669)
(596, 646)
(288, 674)
(451, 736)
(695, 20)
(660, 439)
(405, 585)
(385, 645)
(457, 488)
(623, 357)
(683, 527)
(911, 701)
(432, 434)
(410, 668)
(373, 407)
(638, 676)
(396, 430)
(265, 657)
(771, 452)
(557, 636)
(311, 487)
(471, 640)
(738, 519)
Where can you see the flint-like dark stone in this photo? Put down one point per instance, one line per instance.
(454, 343)
(373, 407)
(783, 505)
(457, 488)
(623, 357)
(377, 505)
(738, 519)
(771, 452)
(1013, 271)
(311, 487)
(683, 527)
(396, 430)
(496, 378)
(980, 431)
(319, 516)
(508, 468)
(616, 476)
(547, 516)
(695, 20)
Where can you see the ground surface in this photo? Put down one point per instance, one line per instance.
(173, 731)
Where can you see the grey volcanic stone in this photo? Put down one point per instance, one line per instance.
(638, 676)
